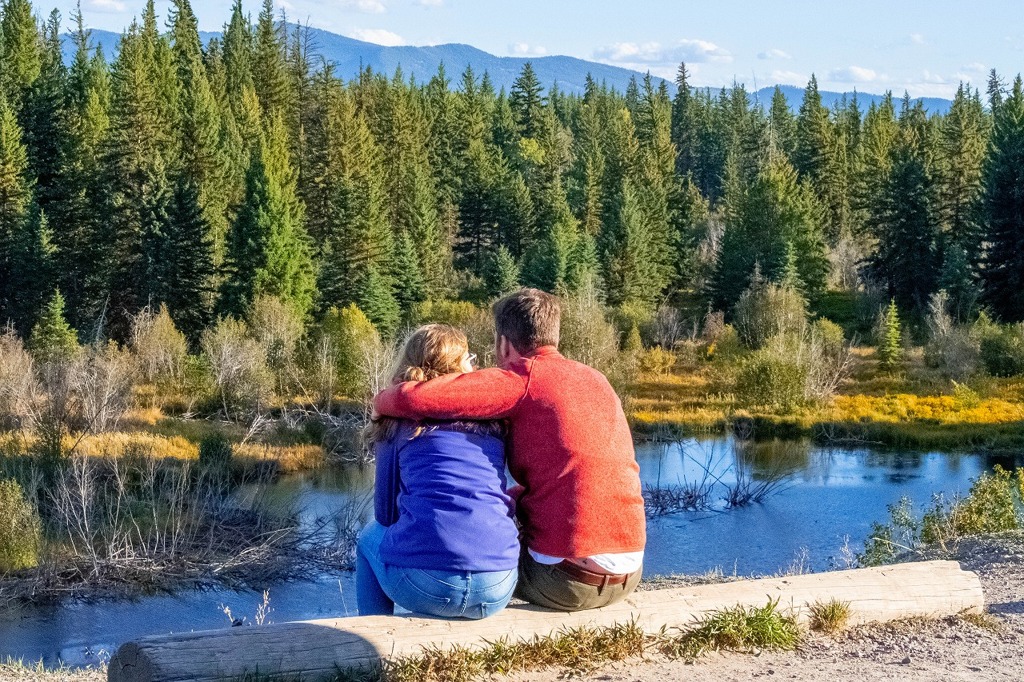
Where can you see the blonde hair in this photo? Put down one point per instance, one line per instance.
(429, 352)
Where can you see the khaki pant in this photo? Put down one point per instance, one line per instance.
(548, 587)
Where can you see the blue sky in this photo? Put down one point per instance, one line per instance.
(925, 47)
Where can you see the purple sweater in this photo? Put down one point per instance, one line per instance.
(441, 496)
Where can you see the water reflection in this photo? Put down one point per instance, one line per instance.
(831, 497)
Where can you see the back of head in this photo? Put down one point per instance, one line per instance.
(529, 319)
(430, 351)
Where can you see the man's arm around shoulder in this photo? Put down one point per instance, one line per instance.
(486, 394)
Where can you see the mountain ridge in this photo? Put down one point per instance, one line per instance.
(348, 55)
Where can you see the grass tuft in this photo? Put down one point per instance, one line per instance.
(740, 628)
(830, 617)
(984, 621)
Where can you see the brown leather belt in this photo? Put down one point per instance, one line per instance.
(582, 575)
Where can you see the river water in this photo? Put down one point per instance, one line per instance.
(825, 499)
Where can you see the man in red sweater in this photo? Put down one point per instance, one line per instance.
(570, 448)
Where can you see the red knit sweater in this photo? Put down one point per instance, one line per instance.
(570, 448)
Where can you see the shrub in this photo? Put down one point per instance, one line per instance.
(667, 328)
(277, 328)
(354, 357)
(477, 323)
(17, 382)
(238, 365)
(953, 349)
(161, 351)
(1002, 349)
(215, 453)
(103, 384)
(771, 380)
(766, 310)
(20, 529)
(657, 361)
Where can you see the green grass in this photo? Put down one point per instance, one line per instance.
(740, 628)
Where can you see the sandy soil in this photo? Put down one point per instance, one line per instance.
(951, 649)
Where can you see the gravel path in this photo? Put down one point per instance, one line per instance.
(950, 649)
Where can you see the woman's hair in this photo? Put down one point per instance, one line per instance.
(431, 351)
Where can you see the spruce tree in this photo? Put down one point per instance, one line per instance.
(502, 273)
(268, 249)
(19, 51)
(190, 261)
(890, 346)
(527, 101)
(269, 67)
(1003, 272)
(783, 123)
(15, 197)
(43, 115)
(52, 338)
(375, 296)
(32, 279)
(410, 288)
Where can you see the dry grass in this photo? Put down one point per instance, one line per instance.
(830, 617)
(287, 458)
(19, 671)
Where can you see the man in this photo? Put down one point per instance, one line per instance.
(570, 448)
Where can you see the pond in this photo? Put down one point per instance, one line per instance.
(825, 498)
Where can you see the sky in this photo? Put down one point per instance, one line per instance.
(926, 47)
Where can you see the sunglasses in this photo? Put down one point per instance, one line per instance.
(472, 359)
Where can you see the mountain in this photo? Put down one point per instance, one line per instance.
(795, 94)
(569, 73)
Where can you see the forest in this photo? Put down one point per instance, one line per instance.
(202, 178)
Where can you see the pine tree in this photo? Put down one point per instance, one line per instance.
(269, 68)
(268, 249)
(502, 273)
(52, 337)
(43, 114)
(20, 51)
(527, 101)
(774, 219)
(1004, 209)
(410, 288)
(190, 262)
(890, 346)
(15, 196)
(783, 123)
(32, 279)
(820, 157)
(79, 206)
(374, 294)
(906, 219)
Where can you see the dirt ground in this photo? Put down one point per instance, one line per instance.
(951, 649)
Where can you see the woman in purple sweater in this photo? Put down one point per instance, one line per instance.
(444, 542)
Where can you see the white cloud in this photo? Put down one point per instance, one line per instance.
(974, 67)
(430, 3)
(688, 50)
(774, 53)
(367, 6)
(917, 39)
(378, 36)
(527, 50)
(107, 5)
(788, 78)
(855, 74)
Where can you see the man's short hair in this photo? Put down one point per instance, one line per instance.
(529, 319)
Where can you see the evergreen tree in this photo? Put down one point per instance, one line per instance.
(774, 219)
(820, 157)
(527, 101)
(52, 337)
(410, 288)
(19, 51)
(783, 123)
(43, 114)
(1003, 272)
(269, 67)
(375, 296)
(32, 279)
(15, 196)
(502, 274)
(190, 263)
(906, 219)
(268, 250)
(890, 346)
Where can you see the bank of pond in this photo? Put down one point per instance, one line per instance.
(715, 505)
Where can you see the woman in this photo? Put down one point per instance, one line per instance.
(444, 542)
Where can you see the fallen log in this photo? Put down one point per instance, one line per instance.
(318, 648)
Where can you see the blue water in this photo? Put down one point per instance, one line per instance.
(827, 498)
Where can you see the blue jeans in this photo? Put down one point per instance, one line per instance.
(448, 594)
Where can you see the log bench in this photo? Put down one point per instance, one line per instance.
(318, 648)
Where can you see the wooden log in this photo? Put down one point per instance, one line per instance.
(318, 648)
